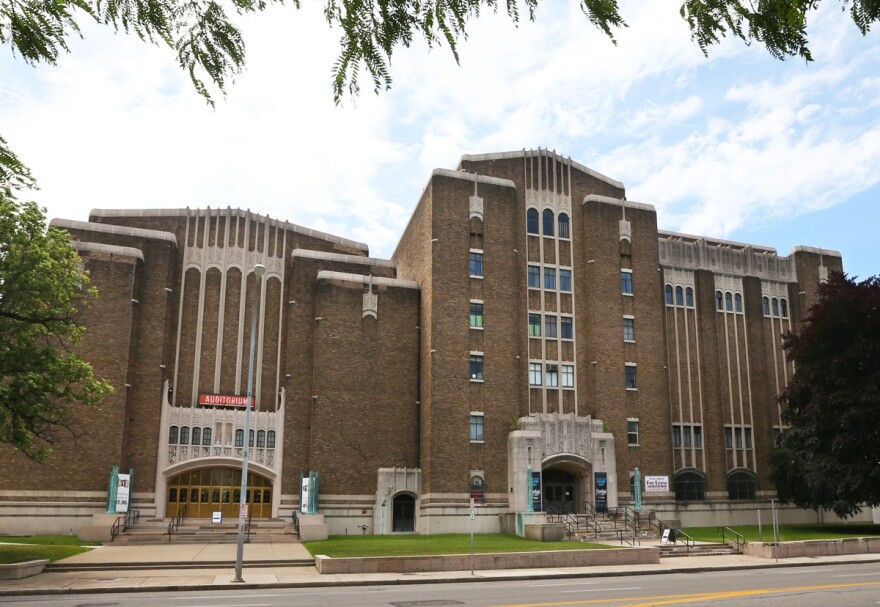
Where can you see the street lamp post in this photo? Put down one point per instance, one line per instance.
(259, 271)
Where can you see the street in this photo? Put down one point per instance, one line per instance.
(826, 585)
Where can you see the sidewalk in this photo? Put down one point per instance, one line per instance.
(188, 567)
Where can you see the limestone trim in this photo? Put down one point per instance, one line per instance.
(526, 153)
(342, 258)
(70, 224)
(505, 183)
(286, 225)
(814, 250)
(365, 279)
(620, 202)
(109, 249)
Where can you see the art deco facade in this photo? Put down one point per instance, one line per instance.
(532, 322)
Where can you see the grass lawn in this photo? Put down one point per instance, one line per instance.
(789, 533)
(52, 547)
(340, 546)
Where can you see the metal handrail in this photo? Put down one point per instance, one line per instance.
(123, 522)
(689, 542)
(175, 521)
(737, 538)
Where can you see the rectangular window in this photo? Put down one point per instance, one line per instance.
(629, 329)
(534, 325)
(676, 436)
(698, 437)
(728, 437)
(632, 432)
(748, 433)
(737, 433)
(567, 328)
(476, 427)
(626, 282)
(550, 278)
(476, 264)
(565, 280)
(534, 277)
(476, 315)
(552, 376)
(550, 326)
(535, 375)
(476, 367)
(630, 371)
(686, 433)
(568, 376)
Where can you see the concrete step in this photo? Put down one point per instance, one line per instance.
(704, 549)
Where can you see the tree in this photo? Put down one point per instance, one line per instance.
(41, 378)
(830, 453)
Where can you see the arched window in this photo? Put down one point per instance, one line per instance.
(728, 301)
(679, 296)
(775, 303)
(784, 306)
(739, 302)
(719, 301)
(690, 486)
(563, 226)
(251, 437)
(261, 438)
(478, 490)
(206, 436)
(766, 303)
(548, 222)
(172, 435)
(532, 221)
(668, 295)
(197, 435)
(689, 297)
(239, 438)
(270, 439)
(184, 435)
(741, 485)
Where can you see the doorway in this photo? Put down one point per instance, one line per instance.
(560, 492)
(403, 513)
(200, 493)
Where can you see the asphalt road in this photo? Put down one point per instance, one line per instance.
(824, 586)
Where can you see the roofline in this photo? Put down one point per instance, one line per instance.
(341, 257)
(363, 279)
(621, 202)
(106, 228)
(527, 153)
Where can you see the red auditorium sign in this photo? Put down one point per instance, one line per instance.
(223, 400)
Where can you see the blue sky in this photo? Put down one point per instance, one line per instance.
(736, 146)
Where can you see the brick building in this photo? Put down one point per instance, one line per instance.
(533, 340)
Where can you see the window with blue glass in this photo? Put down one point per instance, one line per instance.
(563, 226)
(476, 367)
(550, 326)
(565, 280)
(626, 282)
(534, 277)
(534, 325)
(476, 264)
(550, 278)
(549, 220)
(532, 221)
(566, 327)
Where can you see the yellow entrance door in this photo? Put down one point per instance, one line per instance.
(200, 493)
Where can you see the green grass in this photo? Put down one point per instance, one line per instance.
(789, 533)
(52, 547)
(339, 546)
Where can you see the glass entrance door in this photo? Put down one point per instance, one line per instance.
(200, 493)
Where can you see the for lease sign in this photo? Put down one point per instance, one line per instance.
(656, 484)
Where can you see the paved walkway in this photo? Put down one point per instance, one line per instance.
(183, 571)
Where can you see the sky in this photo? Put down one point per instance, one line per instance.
(738, 145)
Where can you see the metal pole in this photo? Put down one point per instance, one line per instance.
(775, 530)
(760, 532)
(259, 270)
(472, 537)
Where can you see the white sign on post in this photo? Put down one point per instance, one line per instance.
(217, 517)
(244, 511)
(123, 490)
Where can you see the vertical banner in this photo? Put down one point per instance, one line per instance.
(601, 492)
(637, 488)
(123, 492)
(308, 492)
(112, 485)
(536, 491)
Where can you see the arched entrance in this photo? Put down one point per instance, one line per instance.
(403, 513)
(560, 492)
(203, 492)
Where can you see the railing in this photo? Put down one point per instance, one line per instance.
(678, 534)
(736, 537)
(296, 522)
(626, 538)
(175, 522)
(123, 522)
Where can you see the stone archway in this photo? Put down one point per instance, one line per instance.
(403, 513)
